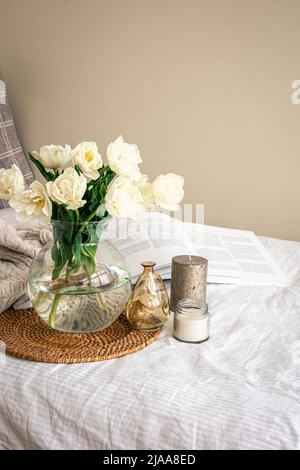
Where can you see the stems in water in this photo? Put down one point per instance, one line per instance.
(102, 300)
(53, 310)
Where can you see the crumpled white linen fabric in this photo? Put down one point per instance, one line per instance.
(239, 390)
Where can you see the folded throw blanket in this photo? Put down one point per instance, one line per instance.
(18, 248)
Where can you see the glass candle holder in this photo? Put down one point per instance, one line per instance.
(191, 321)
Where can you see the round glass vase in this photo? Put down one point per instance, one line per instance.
(79, 282)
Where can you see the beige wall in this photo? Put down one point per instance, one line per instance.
(203, 87)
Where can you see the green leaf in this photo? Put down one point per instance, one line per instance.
(54, 210)
(101, 211)
(49, 176)
(70, 218)
(77, 250)
(109, 177)
(57, 256)
(89, 264)
(65, 249)
(77, 168)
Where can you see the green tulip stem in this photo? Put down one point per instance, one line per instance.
(54, 309)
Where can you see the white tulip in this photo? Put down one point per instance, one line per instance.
(89, 160)
(124, 199)
(54, 156)
(11, 182)
(124, 158)
(168, 191)
(68, 189)
(146, 190)
(32, 204)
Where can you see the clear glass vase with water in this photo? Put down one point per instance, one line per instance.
(79, 282)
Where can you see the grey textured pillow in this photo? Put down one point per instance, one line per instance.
(10, 148)
(2, 92)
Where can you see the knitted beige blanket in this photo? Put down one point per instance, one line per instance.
(18, 248)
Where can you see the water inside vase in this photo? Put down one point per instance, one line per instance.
(86, 304)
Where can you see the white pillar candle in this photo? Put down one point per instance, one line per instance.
(191, 323)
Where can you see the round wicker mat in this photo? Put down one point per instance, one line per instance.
(27, 337)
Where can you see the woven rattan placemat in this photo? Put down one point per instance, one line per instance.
(27, 337)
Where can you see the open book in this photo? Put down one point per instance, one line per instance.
(234, 256)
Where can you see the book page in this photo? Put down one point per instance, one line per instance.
(234, 253)
(234, 256)
(150, 238)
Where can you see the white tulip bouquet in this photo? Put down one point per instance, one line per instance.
(81, 189)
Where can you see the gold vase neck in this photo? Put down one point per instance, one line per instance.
(148, 265)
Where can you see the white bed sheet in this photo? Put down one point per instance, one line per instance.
(240, 390)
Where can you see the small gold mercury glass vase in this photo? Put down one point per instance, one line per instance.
(148, 306)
